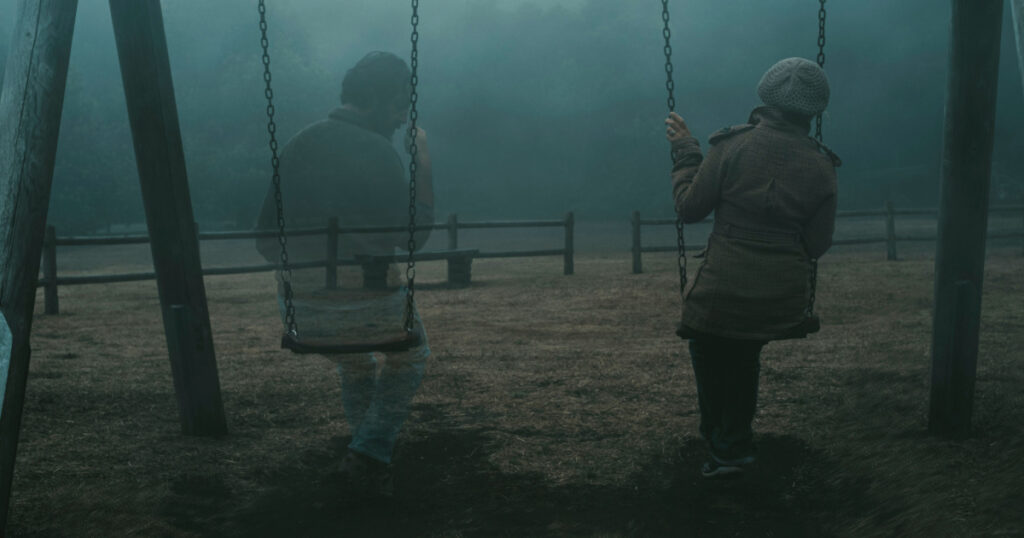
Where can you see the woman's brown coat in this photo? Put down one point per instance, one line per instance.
(773, 191)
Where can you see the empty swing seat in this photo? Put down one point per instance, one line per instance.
(330, 346)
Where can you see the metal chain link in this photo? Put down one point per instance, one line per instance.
(821, 57)
(822, 14)
(814, 288)
(275, 162)
(670, 86)
(410, 269)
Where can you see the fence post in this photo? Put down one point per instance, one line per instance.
(331, 271)
(890, 231)
(453, 232)
(50, 270)
(637, 262)
(570, 225)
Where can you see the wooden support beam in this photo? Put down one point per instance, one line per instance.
(568, 259)
(637, 249)
(460, 269)
(146, 72)
(890, 232)
(963, 214)
(1017, 11)
(31, 102)
(52, 302)
(331, 273)
(453, 232)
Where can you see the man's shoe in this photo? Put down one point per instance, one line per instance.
(719, 467)
(366, 476)
(713, 469)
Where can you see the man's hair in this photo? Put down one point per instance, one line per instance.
(380, 77)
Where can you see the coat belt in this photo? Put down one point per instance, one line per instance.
(769, 236)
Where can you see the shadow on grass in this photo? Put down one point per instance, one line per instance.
(446, 486)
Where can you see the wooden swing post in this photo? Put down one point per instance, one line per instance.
(153, 113)
(1017, 12)
(30, 112)
(963, 217)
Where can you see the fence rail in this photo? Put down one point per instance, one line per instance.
(50, 280)
(890, 239)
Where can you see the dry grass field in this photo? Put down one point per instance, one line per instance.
(552, 406)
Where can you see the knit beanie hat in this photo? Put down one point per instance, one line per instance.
(795, 85)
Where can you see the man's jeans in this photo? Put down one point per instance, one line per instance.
(727, 372)
(376, 393)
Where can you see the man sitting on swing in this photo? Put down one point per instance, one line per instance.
(773, 191)
(346, 166)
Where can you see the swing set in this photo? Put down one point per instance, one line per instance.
(406, 337)
(30, 115)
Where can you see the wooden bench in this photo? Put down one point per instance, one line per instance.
(460, 263)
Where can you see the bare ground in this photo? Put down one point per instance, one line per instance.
(553, 406)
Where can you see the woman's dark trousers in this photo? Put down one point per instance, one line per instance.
(727, 372)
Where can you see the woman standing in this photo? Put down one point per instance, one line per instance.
(773, 191)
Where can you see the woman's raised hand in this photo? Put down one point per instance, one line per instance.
(675, 129)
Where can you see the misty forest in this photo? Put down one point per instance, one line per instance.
(560, 97)
(555, 397)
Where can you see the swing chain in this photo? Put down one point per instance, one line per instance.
(818, 135)
(670, 85)
(814, 288)
(410, 269)
(821, 58)
(275, 161)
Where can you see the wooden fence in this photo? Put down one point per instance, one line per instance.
(50, 280)
(890, 239)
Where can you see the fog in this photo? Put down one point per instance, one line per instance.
(532, 108)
